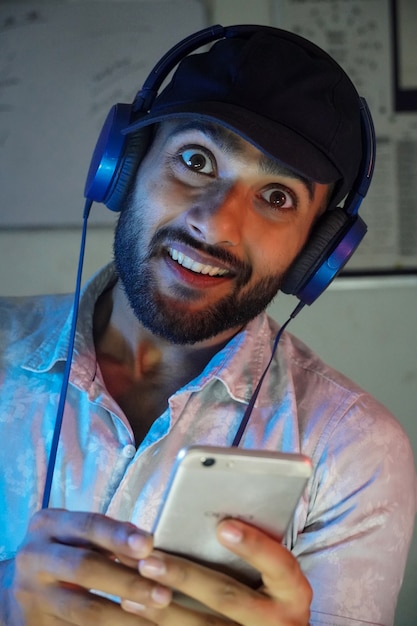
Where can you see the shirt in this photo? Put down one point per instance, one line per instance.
(353, 526)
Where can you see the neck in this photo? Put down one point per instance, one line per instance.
(120, 334)
(142, 370)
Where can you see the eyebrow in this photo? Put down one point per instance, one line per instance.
(231, 143)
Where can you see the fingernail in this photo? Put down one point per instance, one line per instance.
(231, 533)
(138, 544)
(132, 607)
(152, 566)
(161, 595)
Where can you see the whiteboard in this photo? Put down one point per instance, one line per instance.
(62, 67)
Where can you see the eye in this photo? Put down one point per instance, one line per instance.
(279, 197)
(197, 159)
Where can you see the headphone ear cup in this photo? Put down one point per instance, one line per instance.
(107, 153)
(135, 148)
(322, 241)
(115, 158)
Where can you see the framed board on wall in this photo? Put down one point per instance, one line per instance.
(360, 36)
(404, 23)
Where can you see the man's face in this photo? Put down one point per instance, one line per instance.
(208, 232)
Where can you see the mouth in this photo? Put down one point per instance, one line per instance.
(205, 269)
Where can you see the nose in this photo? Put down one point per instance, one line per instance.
(218, 218)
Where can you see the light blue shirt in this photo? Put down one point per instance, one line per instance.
(352, 528)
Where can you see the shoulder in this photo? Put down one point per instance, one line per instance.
(17, 309)
(30, 320)
(310, 376)
(334, 412)
(19, 313)
(35, 319)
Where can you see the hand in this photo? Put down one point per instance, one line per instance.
(283, 600)
(66, 554)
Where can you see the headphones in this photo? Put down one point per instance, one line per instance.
(116, 157)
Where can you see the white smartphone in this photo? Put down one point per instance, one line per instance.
(211, 483)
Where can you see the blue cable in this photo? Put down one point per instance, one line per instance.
(64, 386)
(252, 401)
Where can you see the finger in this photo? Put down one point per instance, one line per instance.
(228, 597)
(280, 571)
(89, 569)
(82, 528)
(80, 608)
(180, 613)
(221, 594)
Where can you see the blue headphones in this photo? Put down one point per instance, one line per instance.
(116, 157)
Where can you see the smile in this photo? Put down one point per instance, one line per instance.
(195, 266)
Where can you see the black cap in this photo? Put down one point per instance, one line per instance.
(278, 91)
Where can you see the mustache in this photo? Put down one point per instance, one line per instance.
(242, 269)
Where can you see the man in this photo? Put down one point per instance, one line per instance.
(250, 144)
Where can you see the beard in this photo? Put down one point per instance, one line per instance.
(167, 317)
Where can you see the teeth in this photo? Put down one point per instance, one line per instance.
(194, 266)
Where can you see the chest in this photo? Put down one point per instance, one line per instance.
(142, 398)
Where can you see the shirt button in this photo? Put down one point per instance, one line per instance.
(129, 451)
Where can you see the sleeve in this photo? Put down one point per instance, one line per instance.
(359, 519)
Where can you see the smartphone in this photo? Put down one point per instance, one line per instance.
(209, 484)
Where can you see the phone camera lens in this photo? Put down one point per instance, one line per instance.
(207, 461)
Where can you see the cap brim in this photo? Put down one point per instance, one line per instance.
(275, 140)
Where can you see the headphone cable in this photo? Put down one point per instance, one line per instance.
(251, 404)
(64, 386)
(67, 370)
